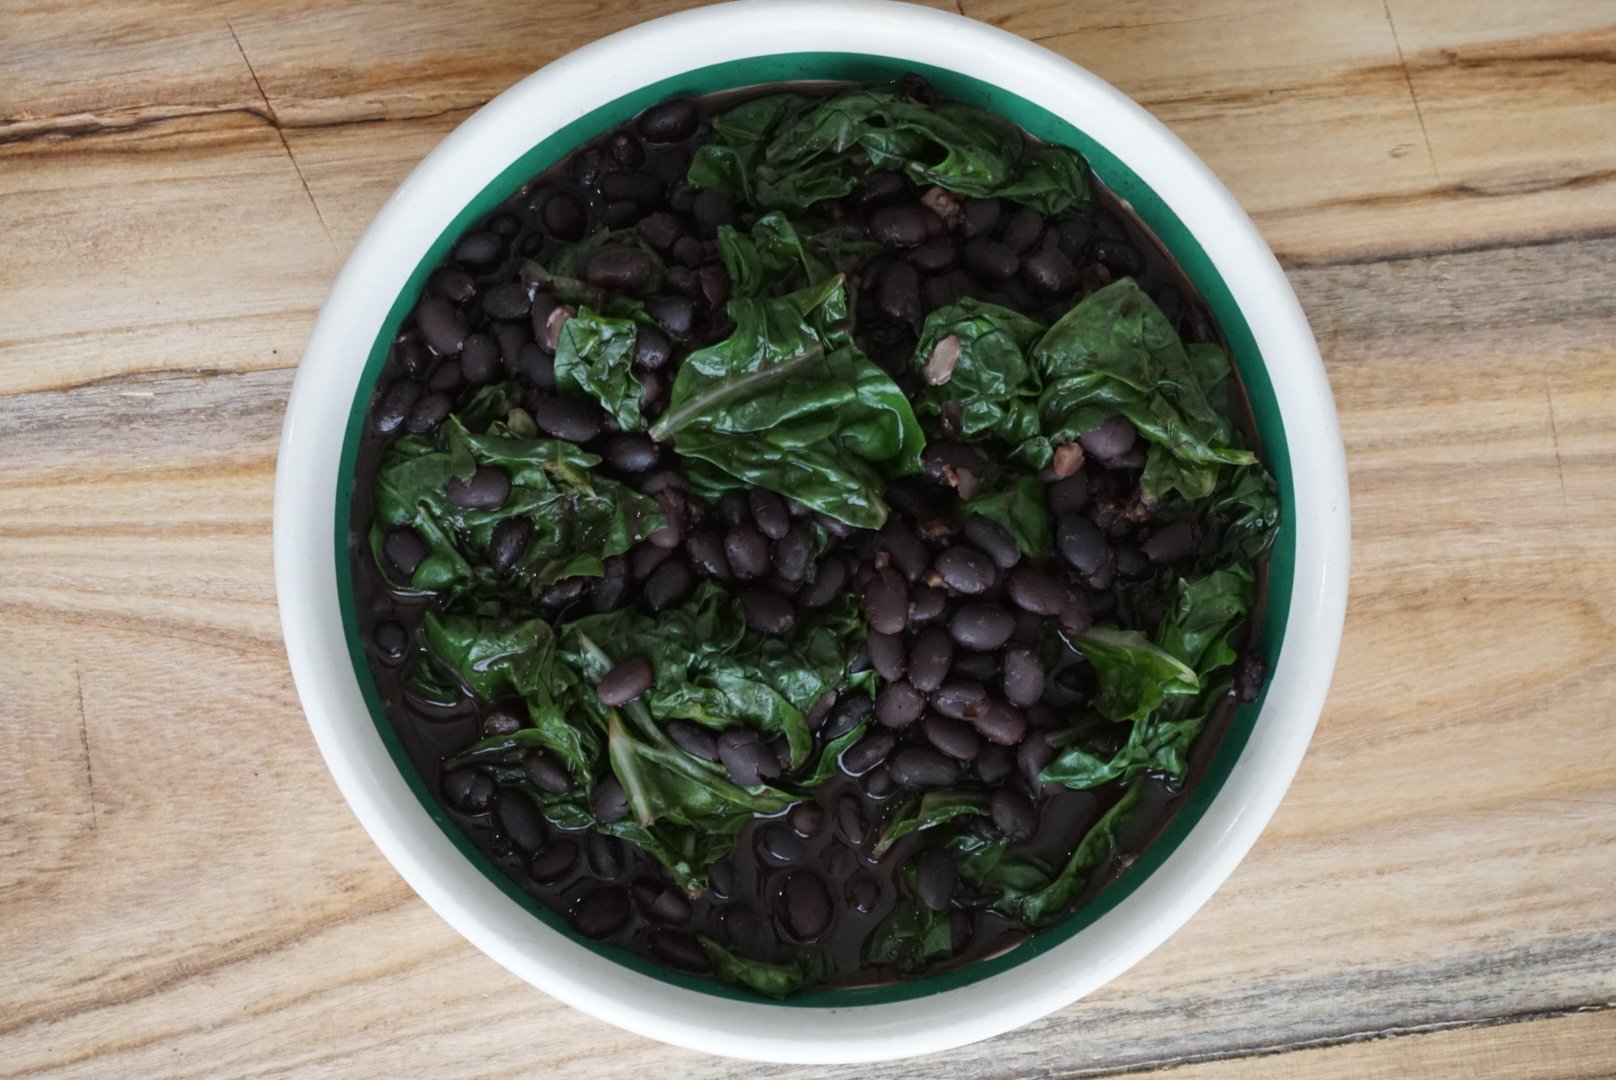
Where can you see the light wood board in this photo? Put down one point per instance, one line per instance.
(182, 890)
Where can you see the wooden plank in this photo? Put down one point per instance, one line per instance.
(1581, 1046)
(183, 892)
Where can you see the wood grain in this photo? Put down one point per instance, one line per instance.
(183, 892)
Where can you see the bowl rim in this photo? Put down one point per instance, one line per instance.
(425, 209)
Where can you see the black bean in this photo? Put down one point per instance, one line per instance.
(1023, 230)
(452, 283)
(405, 550)
(394, 405)
(661, 902)
(706, 550)
(447, 379)
(569, 419)
(909, 555)
(487, 489)
(652, 349)
(826, 586)
(626, 150)
(1038, 591)
(982, 627)
(1112, 439)
(1122, 259)
(897, 294)
(941, 290)
(792, 553)
(601, 911)
(711, 210)
(507, 301)
(1132, 564)
(834, 527)
(468, 790)
(966, 570)
(887, 655)
(612, 586)
(479, 250)
(935, 255)
(976, 666)
(441, 326)
(746, 931)
(605, 855)
(627, 680)
(767, 611)
(861, 892)
(619, 268)
(936, 878)
(748, 552)
(807, 818)
(899, 704)
(1174, 541)
(721, 878)
(990, 536)
(868, 752)
(989, 259)
(1001, 723)
(521, 821)
(807, 906)
(780, 845)
(509, 543)
(929, 659)
(607, 801)
(848, 712)
(1013, 813)
(1068, 496)
(661, 230)
(693, 739)
(959, 466)
(1049, 273)
(921, 766)
(564, 217)
(675, 313)
(671, 121)
(879, 188)
(1023, 676)
(899, 226)
(960, 700)
(428, 413)
(980, 216)
(878, 783)
(1249, 676)
(926, 603)
(631, 451)
(653, 394)
(769, 512)
(748, 761)
(392, 641)
(669, 585)
(850, 820)
(992, 764)
(554, 862)
(886, 602)
(546, 773)
(479, 359)
(632, 186)
(1081, 544)
(955, 738)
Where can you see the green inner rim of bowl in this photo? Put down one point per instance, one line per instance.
(1150, 208)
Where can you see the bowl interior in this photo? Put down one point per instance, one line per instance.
(1156, 215)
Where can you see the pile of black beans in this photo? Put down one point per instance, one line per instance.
(955, 612)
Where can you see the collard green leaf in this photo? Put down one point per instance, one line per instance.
(1115, 352)
(712, 670)
(770, 260)
(499, 658)
(913, 936)
(807, 967)
(993, 387)
(1020, 508)
(787, 402)
(791, 151)
(930, 809)
(595, 358)
(579, 519)
(685, 853)
(1046, 905)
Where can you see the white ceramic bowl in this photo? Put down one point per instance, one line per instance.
(744, 43)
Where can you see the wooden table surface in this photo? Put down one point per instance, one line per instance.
(184, 893)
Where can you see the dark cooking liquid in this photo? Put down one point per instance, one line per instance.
(742, 914)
